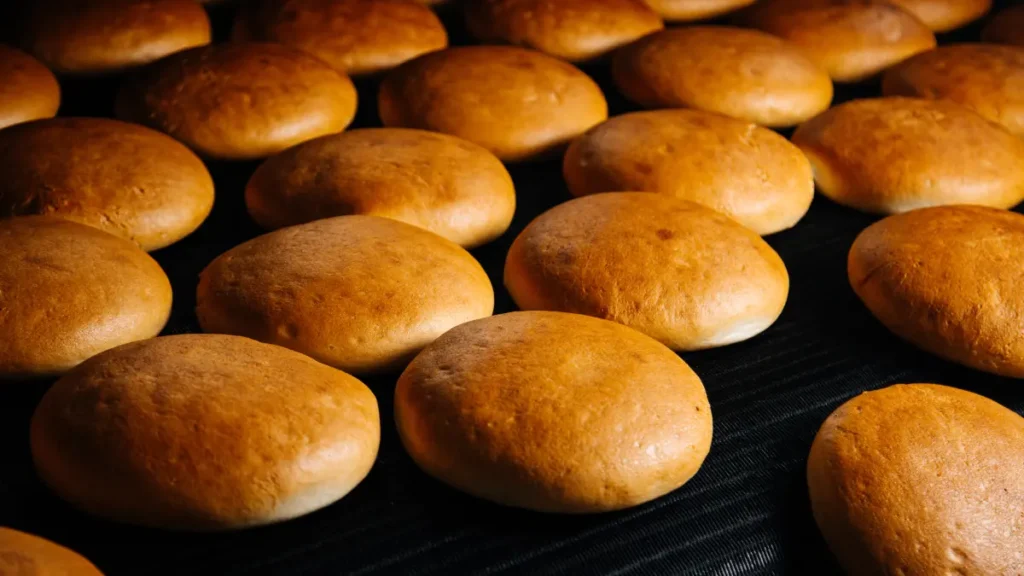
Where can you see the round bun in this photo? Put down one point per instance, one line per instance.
(684, 275)
(1006, 27)
(888, 155)
(28, 90)
(355, 37)
(937, 15)
(987, 78)
(948, 280)
(122, 178)
(574, 30)
(742, 170)
(240, 101)
(361, 293)
(554, 412)
(853, 42)
(515, 102)
(920, 479)
(444, 184)
(69, 292)
(23, 554)
(204, 432)
(741, 73)
(108, 36)
(691, 10)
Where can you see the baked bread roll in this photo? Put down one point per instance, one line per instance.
(23, 554)
(553, 412)
(920, 479)
(204, 432)
(28, 90)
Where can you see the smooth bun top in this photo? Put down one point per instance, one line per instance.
(986, 78)
(685, 275)
(122, 178)
(937, 15)
(852, 41)
(733, 71)
(1006, 27)
(747, 172)
(575, 30)
(107, 36)
(888, 155)
(361, 293)
(554, 412)
(948, 279)
(447, 185)
(920, 479)
(23, 554)
(240, 101)
(691, 10)
(69, 291)
(204, 432)
(515, 102)
(355, 37)
(28, 90)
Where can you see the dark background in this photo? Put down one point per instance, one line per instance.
(746, 511)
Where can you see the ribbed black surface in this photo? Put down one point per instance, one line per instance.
(745, 512)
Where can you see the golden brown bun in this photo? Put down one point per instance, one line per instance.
(574, 30)
(28, 90)
(240, 101)
(122, 178)
(889, 155)
(204, 432)
(515, 102)
(361, 293)
(444, 184)
(937, 15)
(948, 280)
(107, 36)
(684, 275)
(920, 479)
(1006, 27)
(747, 172)
(69, 291)
(740, 73)
(355, 37)
(853, 42)
(23, 554)
(690, 10)
(554, 412)
(986, 78)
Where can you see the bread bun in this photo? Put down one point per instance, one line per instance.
(684, 275)
(360, 293)
(69, 291)
(986, 78)
(204, 432)
(122, 178)
(692, 10)
(240, 101)
(920, 479)
(517, 103)
(444, 184)
(937, 15)
(744, 171)
(28, 90)
(1006, 27)
(947, 280)
(23, 554)
(574, 30)
(553, 412)
(740, 73)
(108, 36)
(853, 42)
(356, 37)
(889, 155)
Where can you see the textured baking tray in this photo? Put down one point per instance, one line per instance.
(746, 511)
